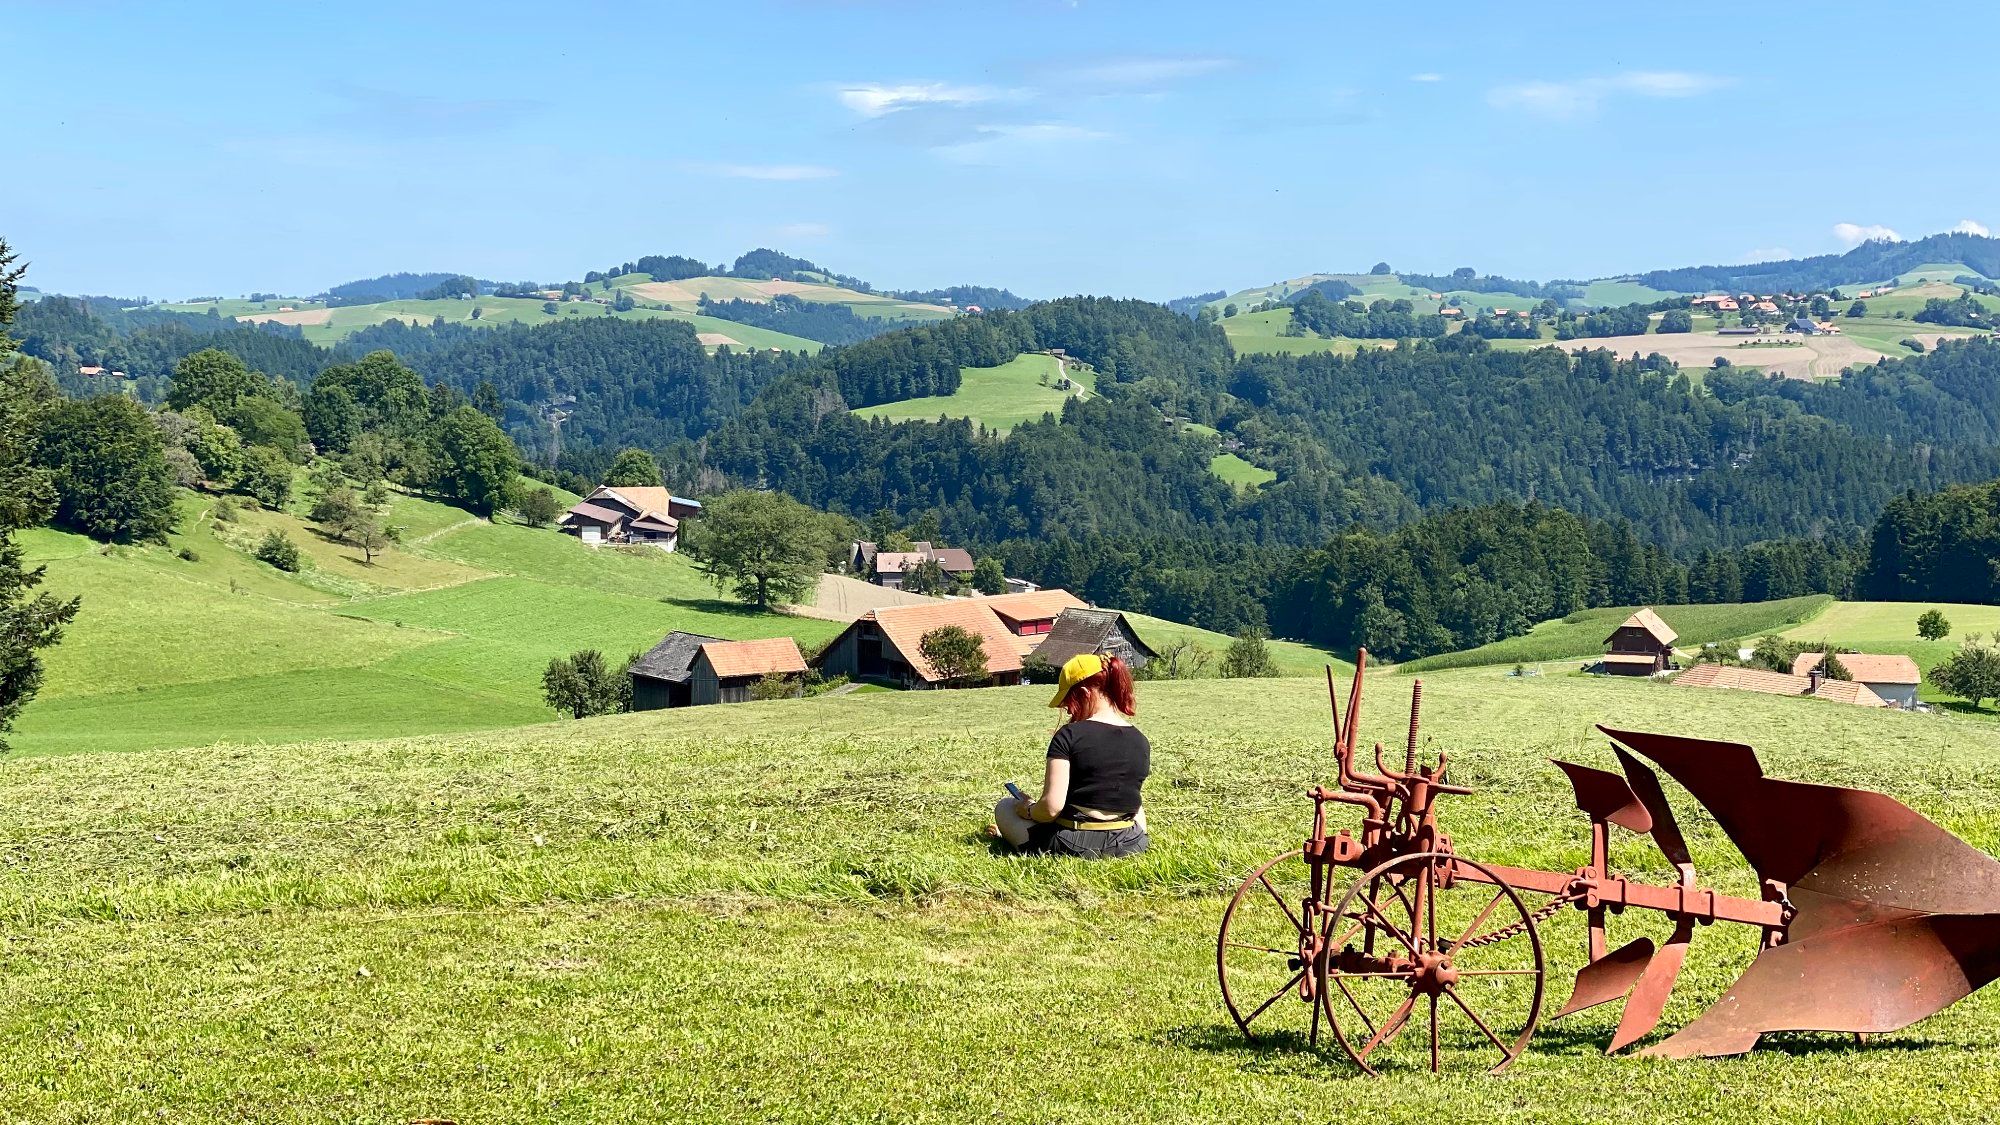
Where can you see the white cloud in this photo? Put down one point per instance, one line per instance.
(802, 231)
(1427, 76)
(1972, 226)
(1142, 70)
(1000, 144)
(769, 171)
(1854, 234)
(1582, 97)
(874, 100)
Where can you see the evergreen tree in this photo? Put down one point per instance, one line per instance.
(109, 468)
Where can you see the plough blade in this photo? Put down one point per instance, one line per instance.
(1603, 795)
(1895, 918)
(1649, 1000)
(1609, 977)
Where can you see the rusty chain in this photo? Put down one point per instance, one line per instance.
(1514, 928)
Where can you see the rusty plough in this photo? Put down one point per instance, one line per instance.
(1870, 918)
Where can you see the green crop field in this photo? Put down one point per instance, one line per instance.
(787, 911)
(1582, 634)
(1909, 300)
(1239, 472)
(237, 306)
(1886, 335)
(999, 398)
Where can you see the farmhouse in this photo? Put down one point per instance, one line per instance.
(1079, 631)
(1893, 678)
(648, 515)
(1641, 646)
(1778, 683)
(1804, 326)
(892, 568)
(1032, 615)
(886, 644)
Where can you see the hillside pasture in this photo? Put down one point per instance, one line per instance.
(705, 914)
(329, 326)
(1614, 292)
(998, 398)
(1264, 334)
(685, 295)
(1891, 627)
(1581, 635)
(1244, 475)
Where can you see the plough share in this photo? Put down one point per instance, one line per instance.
(1870, 916)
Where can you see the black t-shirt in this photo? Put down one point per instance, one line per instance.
(1107, 765)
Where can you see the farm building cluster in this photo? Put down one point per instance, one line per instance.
(886, 645)
(1643, 645)
(647, 516)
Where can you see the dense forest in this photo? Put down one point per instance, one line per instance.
(815, 320)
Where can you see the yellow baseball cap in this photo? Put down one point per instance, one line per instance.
(1074, 671)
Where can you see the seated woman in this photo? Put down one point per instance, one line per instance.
(1098, 760)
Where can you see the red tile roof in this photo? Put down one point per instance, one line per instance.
(1777, 683)
(754, 658)
(905, 626)
(1865, 667)
(1037, 605)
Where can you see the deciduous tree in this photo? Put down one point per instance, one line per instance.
(582, 684)
(1933, 626)
(955, 653)
(765, 547)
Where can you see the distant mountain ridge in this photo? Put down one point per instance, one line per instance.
(1878, 260)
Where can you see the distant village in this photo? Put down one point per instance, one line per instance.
(1644, 646)
(1016, 630)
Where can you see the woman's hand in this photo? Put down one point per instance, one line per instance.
(1025, 809)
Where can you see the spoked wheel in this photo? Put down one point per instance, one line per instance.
(1270, 954)
(1427, 967)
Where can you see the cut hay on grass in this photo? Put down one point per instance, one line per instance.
(717, 339)
(787, 911)
(1798, 357)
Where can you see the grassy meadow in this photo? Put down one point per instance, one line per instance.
(1891, 627)
(707, 916)
(1239, 472)
(1263, 333)
(448, 631)
(999, 398)
(1581, 634)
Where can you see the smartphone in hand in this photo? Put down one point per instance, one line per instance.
(1014, 791)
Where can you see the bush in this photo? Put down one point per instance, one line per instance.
(957, 655)
(187, 554)
(278, 549)
(225, 510)
(1249, 657)
(775, 685)
(1932, 625)
(582, 684)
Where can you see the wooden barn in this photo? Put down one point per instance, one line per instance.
(662, 677)
(1102, 631)
(725, 671)
(1032, 614)
(1642, 646)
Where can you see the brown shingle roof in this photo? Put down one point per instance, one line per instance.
(905, 626)
(1037, 605)
(896, 562)
(1777, 683)
(955, 560)
(1649, 621)
(594, 513)
(754, 658)
(646, 499)
(1865, 667)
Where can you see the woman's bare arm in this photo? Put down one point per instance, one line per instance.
(1055, 793)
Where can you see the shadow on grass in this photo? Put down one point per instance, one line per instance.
(719, 607)
(1970, 709)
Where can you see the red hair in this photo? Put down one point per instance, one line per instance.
(1114, 683)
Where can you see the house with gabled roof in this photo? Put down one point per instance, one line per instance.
(629, 514)
(1893, 678)
(887, 643)
(1080, 631)
(892, 568)
(1032, 614)
(725, 671)
(1641, 646)
(1814, 686)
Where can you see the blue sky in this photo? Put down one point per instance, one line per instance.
(1147, 149)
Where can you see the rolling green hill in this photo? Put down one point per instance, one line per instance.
(1000, 398)
(448, 632)
(709, 910)
(1581, 635)
(1263, 333)
(685, 295)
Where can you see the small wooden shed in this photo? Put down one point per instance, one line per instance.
(1642, 646)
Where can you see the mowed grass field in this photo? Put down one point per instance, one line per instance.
(1582, 634)
(999, 398)
(1263, 333)
(787, 911)
(1239, 472)
(448, 631)
(1891, 627)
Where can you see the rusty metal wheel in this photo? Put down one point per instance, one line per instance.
(1270, 955)
(1417, 942)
